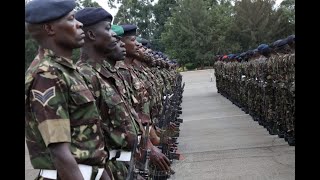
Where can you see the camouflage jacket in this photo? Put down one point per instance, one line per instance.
(59, 107)
(166, 79)
(141, 96)
(120, 128)
(151, 87)
(157, 73)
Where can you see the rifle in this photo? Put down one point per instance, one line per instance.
(132, 171)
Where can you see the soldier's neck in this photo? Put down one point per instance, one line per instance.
(57, 50)
(111, 62)
(128, 60)
(88, 52)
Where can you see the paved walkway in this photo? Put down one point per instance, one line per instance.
(221, 142)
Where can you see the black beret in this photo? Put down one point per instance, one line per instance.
(278, 43)
(282, 43)
(144, 41)
(249, 52)
(40, 11)
(129, 29)
(291, 38)
(273, 45)
(263, 49)
(242, 55)
(90, 16)
(147, 46)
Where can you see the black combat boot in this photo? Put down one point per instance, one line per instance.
(264, 122)
(246, 110)
(280, 132)
(291, 141)
(271, 128)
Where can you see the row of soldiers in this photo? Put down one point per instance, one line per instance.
(262, 83)
(114, 114)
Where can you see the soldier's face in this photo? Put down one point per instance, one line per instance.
(130, 45)
(68, 32)
(104, 38)
(153, 62)
(119, 53)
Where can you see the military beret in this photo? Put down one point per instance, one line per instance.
(90, 16)
(290, 38)
(144, 41)
(139, 39)
(279, 43)
(147, 46)
(40, 11)
(230, 56)
(264, 49)
(274, 44)
(249, 52)
(117, 29)
(165, 56)
(261, 47)
(282, 43)
(243, 54)
(129, 29)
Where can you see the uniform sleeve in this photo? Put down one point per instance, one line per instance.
(49, 105)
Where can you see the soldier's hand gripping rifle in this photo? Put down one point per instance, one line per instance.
(167, 143)
(133, 171)
(144, 172)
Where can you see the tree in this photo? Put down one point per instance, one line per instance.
(197, 31)
(253, 22)
(138, 12)
(86, 3)
(162, 11)
(286, 19)
(31, 48)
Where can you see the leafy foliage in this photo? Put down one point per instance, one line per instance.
(195, 31)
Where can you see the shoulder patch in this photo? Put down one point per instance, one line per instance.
(44, 97)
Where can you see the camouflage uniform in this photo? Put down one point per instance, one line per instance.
(161, 89)
(157, 84)
(140, 99)
(149, 86)
(291, 98)
(59, 107)
(119, 125)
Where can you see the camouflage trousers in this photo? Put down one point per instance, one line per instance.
(119, 169)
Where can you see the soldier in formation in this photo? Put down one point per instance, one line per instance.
(262, 83)
(114, 114)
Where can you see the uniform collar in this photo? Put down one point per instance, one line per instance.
(59, 59)
(99, 67)
(107, 65)
(121, 64)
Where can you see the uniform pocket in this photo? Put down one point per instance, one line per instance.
(80, 94)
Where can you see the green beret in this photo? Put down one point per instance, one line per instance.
(117, 29)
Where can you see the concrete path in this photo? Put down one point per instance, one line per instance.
(221, 142)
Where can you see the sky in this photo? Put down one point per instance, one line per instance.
(104, 4)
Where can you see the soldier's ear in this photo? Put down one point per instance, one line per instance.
(49, 29)
(91, 35)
